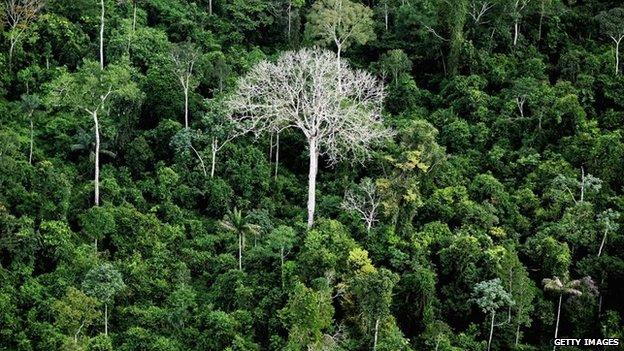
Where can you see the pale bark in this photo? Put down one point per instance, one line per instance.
(240, 252)
(210, 7)
(517, 334)
(376, 334)
(313, 169)
(78, 332)
(97, 158)
(516, 30)
(604, 239)
(186, 124)
(105, 319)
(289, 17)
(491, 331)
(19, 14)
(276, 154)
(213, 150)
(617, 42)
(30, 153)
(101, 34)
(558, 316)
(201, 161)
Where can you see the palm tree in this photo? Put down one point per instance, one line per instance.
(235, 222)
(567, 287)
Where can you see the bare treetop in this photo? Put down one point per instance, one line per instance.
(300, 90)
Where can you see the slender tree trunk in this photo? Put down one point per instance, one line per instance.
(271, 147)
(210, 7)
(134, 16)
(97, 159)
(517, 334)
(604, 239)
(558, 316)
(516, 30)
(376, 334)
(186, 124)
(386, 15)
(30, 153)
(276, 154)
(617, 56)
(213, 150)
(201, 161)
(282, 263)
(491, 331)
(102, 34)
(289, 18)
(78, 332)
(240, 252)
(105, 319)
(312, 180)
(11, 49)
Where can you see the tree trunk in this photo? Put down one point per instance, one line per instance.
(491, 331)
(516, 30)
(376, 334)
(517, 334)
(276, 154)
(213, 149)
(105, 319)
(312, 180)
(30, 153)
(558, 315)
(617, 56)
(78, 332)
(386, 15)
(97, 159)
(604, 239)
(541, 20)
(240, 252)
(11, 49)
(134, 16)
(201, 161)
(210, 7)
(102, 35)
(289, 18)
(186, 124)
(282, 264)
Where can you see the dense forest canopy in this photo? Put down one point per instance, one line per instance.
(310, 175)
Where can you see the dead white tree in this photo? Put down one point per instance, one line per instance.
(300, 90)
(517, 11)
(478, 9)
(363, 200)
(608, 220)
(612, 24)
(184, 57)
(18, 15)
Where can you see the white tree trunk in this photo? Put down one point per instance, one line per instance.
(617, 56)
(289, 17)
(376, 334)
(604, 239)
(105, 319)
(240, 252)
(201, 161)
(386, 15)
(97, 159)
(517, 334)
(276, 154)
(516, 30)
(312, 180)
(210, 7)
(558, 315)
(186, 93)
(491, 331)
(213, 150)
(30, 153)
(102, 35)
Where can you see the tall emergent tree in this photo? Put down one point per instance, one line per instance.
(566, 286)
(184, 57)
(234, 221)
(612, 25)
(94, 91)
(19, 14)
(340, 22)
(103, 282)
(490, 296)
(300, 91)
